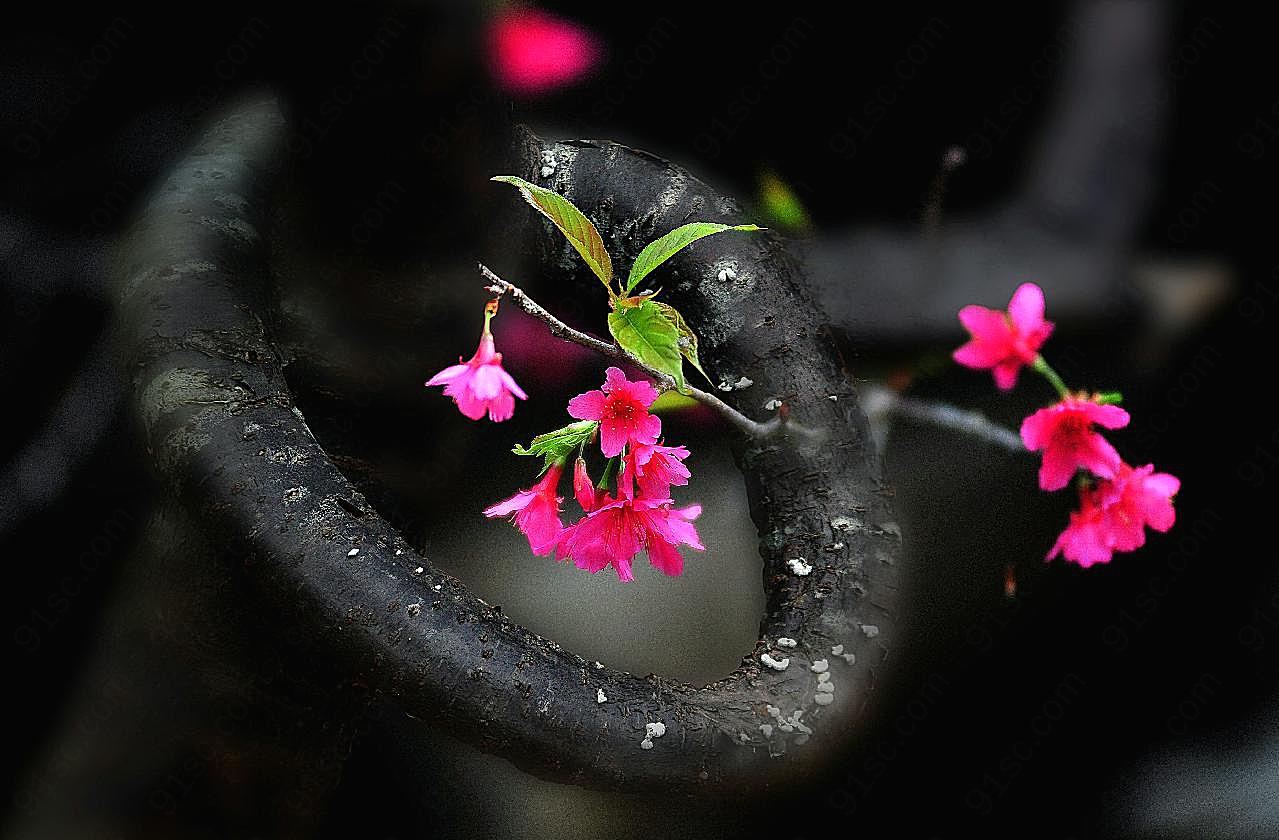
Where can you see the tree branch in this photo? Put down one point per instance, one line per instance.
(559, 329)
(224, 432)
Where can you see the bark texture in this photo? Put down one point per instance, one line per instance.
(224, 433)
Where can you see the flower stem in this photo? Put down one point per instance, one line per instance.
(559, 329)
(1042, 367)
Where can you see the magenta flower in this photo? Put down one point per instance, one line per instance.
(536, 512)
(615, 531)
(655, 469)
(533, 53)
(584, 489)
(480, 384)
(1003, 342)
(621, 407)
(1114, 514)
(1065, 433)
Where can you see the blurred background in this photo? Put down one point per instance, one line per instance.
(1114, 152)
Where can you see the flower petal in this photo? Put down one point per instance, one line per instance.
(447, 375)
(1026, 309)
(588, 406)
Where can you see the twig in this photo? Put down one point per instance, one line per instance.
(881, 403)
(561, 330)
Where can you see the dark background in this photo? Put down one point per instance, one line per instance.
(1166, 649)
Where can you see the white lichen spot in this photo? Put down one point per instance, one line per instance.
(825, 687)
(727, 274)
(414, 610)
(398, 552)
(819, 666)
(837, 650)
(599, 665)
(775, 664)
(850, 658)
(600, 696)
(773, 404)
(646, 744)
(743, 737)
(833, 398)
(846, 523)
(767, 729)
(437, 587)
(742, 382)
(824, 699)
(823, 677)
(870, 630)
(353, 552)
(419, 570)
(773, 711)
(786, 642)
(839, 546)
(799, 566)
(547, 171)
(891, 528)
(294, 494)
(654, 730)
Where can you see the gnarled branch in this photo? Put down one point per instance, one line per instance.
(224, 432)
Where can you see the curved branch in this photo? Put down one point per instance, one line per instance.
(224, 432)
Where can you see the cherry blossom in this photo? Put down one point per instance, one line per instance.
(480, 384)
(621, 407)
(1065, 433)
(1114, 513)
(536, 512)
(1003, 342)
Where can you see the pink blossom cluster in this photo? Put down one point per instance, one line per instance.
(1117, 502)
(639, 512)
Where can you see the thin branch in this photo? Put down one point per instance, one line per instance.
(561, 330)
(881, 403)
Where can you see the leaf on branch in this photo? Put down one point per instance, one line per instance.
(557, 445)
(687, 338)
(578, 229)
(663, 248)
(644, 332)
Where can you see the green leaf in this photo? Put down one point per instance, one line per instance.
(687, 338)
(647, 334)
(578, 229)
(557, 445)
(663, 248)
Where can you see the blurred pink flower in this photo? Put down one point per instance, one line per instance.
(480, 384)
(532, 52)
(1005, 341)
(1114, 514)
(1065, 433)
(536, 511)
(621, 406)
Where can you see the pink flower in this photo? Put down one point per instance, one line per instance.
(584, 489)
(1114, 514)
(654, 469)
(533, 53)
(1003, 342)
(536, 512)
(615, 531)
(1065, 433)
(621, 407)
(481, 384)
